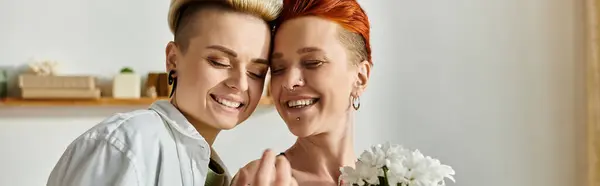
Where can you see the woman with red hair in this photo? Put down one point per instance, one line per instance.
(320, 66)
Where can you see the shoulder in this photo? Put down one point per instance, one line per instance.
(123, 144)
(119, 124)
(124, 131)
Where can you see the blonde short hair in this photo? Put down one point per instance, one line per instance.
(268, 10)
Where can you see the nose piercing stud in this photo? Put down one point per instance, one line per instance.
(289, 89)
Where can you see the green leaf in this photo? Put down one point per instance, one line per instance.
(126, 70)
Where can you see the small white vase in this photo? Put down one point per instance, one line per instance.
(127, 85)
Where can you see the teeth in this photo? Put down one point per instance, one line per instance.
(228, 103)
(301, 103)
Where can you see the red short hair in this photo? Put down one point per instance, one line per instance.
(346, 13)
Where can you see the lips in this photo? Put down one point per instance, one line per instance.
(300, 103)
(227, 102)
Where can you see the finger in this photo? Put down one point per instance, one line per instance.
(294, 182)
(283, 175)
(246, 174)
(264, 174)
(251, 168)
(242, 178)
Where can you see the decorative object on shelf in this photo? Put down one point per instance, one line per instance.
(126, 70)
(151, 92)
(43, 68)
(153, 80)
(58, 87)
(127, 84)
(42, 82)
(3, 83)
(160, 82)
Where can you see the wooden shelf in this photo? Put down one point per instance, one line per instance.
(17, 102)
(78, 102)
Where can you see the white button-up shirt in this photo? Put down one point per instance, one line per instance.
(156, 146)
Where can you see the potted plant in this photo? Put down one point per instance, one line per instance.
(127, 84)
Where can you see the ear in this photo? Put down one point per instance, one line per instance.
(173, 54)
(363, 75)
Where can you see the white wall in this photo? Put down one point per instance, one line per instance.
(493, 88)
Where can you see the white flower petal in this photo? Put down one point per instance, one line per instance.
(411, 168)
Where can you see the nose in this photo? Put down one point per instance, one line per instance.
(237, 80)
(294, 80)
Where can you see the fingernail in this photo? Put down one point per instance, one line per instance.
(266, 152)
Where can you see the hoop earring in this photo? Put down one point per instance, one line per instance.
(172, 81)
(356, 102)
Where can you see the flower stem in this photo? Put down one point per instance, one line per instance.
(385, 177)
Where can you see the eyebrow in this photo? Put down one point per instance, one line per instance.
(233, 54)
(277, 55)
(308, 49)
(223, 49)
(261, 61)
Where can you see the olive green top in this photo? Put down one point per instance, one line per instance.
(217, 173)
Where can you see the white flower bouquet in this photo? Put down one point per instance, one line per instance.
(393, 165)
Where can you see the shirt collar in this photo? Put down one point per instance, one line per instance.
(175, 118)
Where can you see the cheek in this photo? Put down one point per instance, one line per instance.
(199, 78)
(335, 81)
(255, 87)
(335, 86)
(275, 86)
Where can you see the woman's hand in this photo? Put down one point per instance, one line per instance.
(270, 170)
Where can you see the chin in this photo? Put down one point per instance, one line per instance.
(225, 125)
(299, 133)
(227, 122)
(301, 130)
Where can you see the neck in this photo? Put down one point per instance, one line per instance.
(325, 153)
(206, 131)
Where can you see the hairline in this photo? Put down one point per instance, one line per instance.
(187, 22)
(354, 43)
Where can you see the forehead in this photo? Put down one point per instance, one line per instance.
(240, 32)
(307, 32)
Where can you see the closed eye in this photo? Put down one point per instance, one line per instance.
(313, 63)
(277, 70)
(216, 63)
(258, 76)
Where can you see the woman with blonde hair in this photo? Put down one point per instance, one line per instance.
(320, 66)
(217, 65)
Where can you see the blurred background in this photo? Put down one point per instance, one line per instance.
(496, 89)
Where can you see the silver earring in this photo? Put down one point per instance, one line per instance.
(356, 102)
